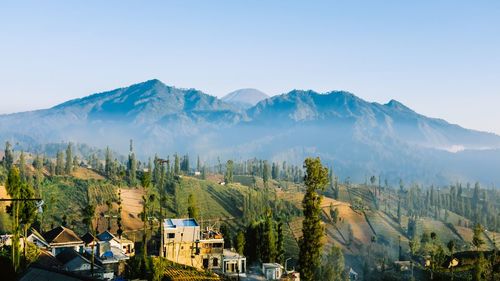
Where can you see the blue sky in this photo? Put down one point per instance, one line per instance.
(441, 58)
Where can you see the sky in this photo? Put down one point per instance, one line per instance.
(440, 58)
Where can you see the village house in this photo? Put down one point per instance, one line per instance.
(233, 263)
(183, 242)
(56, 240)
(272, 271)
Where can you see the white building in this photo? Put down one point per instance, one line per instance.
(233, 263)
(272, 271)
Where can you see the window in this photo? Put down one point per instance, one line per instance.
(171, 235)
(215, 262)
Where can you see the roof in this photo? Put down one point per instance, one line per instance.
(46, 274)
(61, 235)
(46, 259)
(271, 265)
(174, 223)
(228, 254)
(69, 255)
(88, 238)
(37, 234)
(105, 236)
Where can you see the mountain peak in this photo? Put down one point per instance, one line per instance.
(397, 105)
(245, 98)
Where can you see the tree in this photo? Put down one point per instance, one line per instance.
(240, 242)
(451, 248)
(60, 163)
(88, 213)
(132, 166)
(69, 160)
(13, 187)
(198, 164)
(108, 162)
(268, 250)
(333, 265)
(479, 268)
(316, 178)
(192, 209)
(280, 247)
(477, 240)
(228, 177)
(265, 173)
(414, 245)
(334, 214)
(8, 159)
(177, 167)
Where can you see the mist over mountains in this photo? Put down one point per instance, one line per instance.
(357, 137)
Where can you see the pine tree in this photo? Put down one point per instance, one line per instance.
(477, 240)
(132, 166)
(177, 167)
(60, 163)
(228, 177)
(192, 209)
(8, 159)
(333, 265)
(240, 243)
(13, 188)
(268, 240)
(108, 162)
(69, 160)
(310, 245)
(198, 164)
(280, 247)
(265, 173)
(22, 166)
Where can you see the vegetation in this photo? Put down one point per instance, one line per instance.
(310, 245)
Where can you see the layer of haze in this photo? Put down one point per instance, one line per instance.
(441, 58)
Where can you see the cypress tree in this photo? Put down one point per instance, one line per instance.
(8, 159)
(69, 160)
(310, 244)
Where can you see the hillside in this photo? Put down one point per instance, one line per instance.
(359, 137)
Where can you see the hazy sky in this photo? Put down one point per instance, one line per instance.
(441, 58)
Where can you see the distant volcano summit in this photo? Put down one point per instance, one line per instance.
(245, 98)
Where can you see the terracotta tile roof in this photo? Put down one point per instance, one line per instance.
(61, 235)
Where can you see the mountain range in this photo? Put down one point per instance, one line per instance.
(356, 137)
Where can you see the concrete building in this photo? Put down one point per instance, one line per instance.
(233, 263)
(272, 271)
(183, 242)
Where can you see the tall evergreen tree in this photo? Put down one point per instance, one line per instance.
(333, 265)
(69, 160)
(13, 188)
(280, 247)
(108, 163)
(228, 177)
(132, 166)
(268, 250)
(60, 163)
(22, 166)
(198, 164)
(265, 173)
(192, 209)
(8, 158)
(177, 168)
(310, 245)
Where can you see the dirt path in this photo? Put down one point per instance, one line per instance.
(131, 208)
